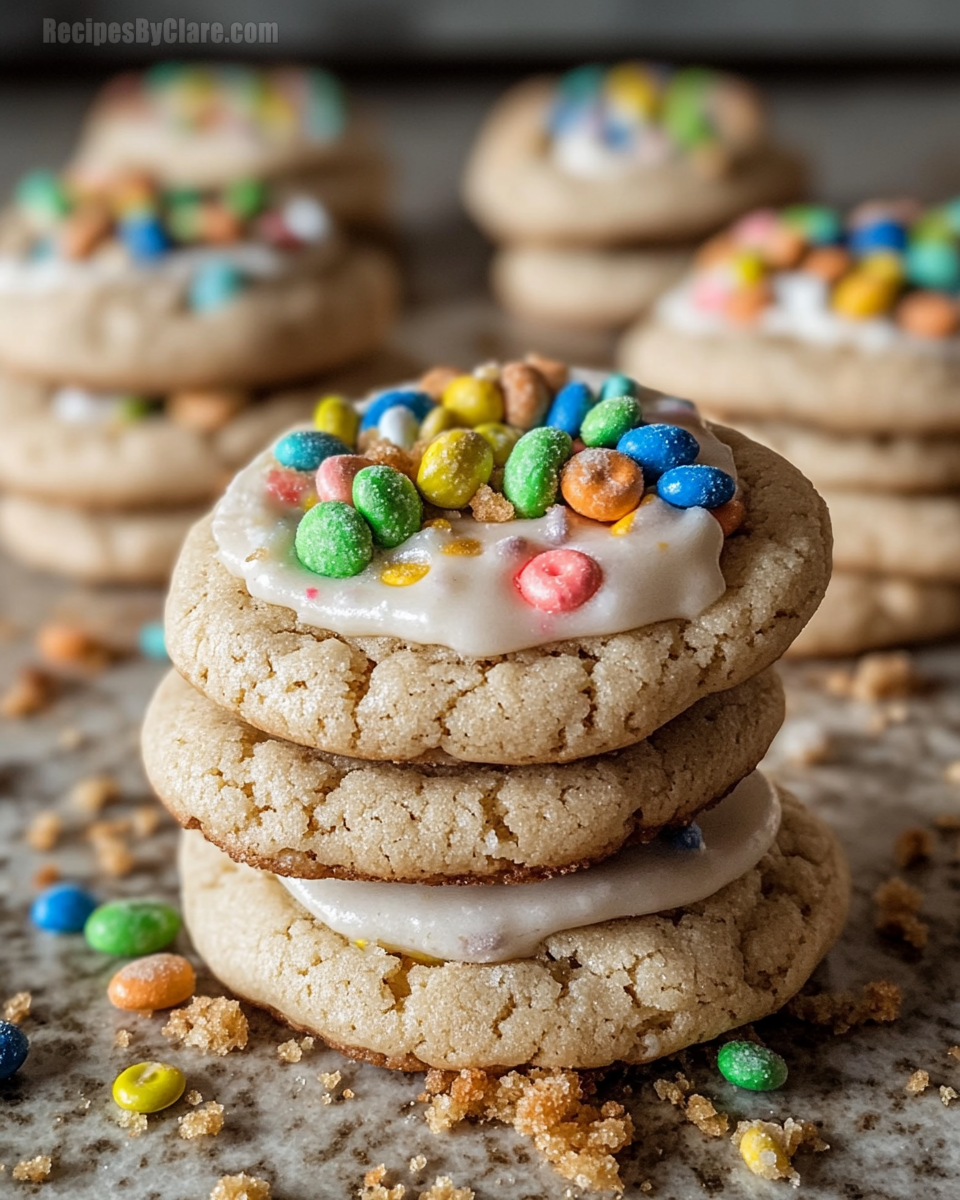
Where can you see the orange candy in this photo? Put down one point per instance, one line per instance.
(830, 263)
(747, 303)
(218, 225)
(603, 485)
(929, 315)
(783, 248)
(84, 230)
(156, 981)
(730, 515)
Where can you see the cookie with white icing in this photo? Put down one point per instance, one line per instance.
(629, 990)
(294, 811)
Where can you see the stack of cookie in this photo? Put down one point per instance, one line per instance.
(596, 184)
(834, 340)
(556, 703)
(151, 307)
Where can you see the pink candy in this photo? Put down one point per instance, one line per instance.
(288, 486)
(335, 476)
(756, 227)
(559, 580)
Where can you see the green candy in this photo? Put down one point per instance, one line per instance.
(137, 408)
(389, 502)
(747, 1065)
(685, 112)
(245, 198)
(131, 928)
(43, 196)
(334, 540)
(607, 422)
(618, 385)
(532, 474)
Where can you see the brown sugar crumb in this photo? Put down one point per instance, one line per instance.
(45, 875)
(330, 1079)
(767, 1148)
(701, 1112)
(381, 451)
(133, 1122)
(121, 1039)
(17, 1007)
(443, 1189)
(673, 1090)
(913, 846)
(289, 1052)
(417, 1163)
(488, 505)
(31, 692)
(348, 1094)
(576, 1138)
(897, 906)
(68, 645)
(307, 1043)
(34, 1170)
(878, 1001)
(375, 1189)
(918, 1083)
(954, 1052)
(193, 1097)
(212, 1025)
(946, 1095)
(44, 830)
(202, 1122)
(89, 796)
(240, 1187)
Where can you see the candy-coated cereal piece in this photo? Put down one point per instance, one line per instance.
(526, 396)
(730, 515)
(419, 404)
(214, 285)
(747, 1065)
(657, 448)
(338, 417)
(502, 439)
(453, 466)
(696, 486)
(288, 486)
(928, 314)
(559, 581)
(829, 263)
(305, 449)
(860, 295)
(14, 1048)
(403, 574)
(399, 425)
(336, 474)
(569, 408)
(475, 401)
(129, 928)
(152, 641)
(334, 540)
(557, 374)
(156, 981)
(436, 379)
(607, 422)
(618, 385)
(63, 908)
(389, 502)
(148, 1087)
(603, 485)
(763, 1155)
(531, 477)
(438, 420)
(934, 265)
(206, 411)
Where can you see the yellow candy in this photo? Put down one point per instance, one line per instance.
(402, 574)
(763, 1155)
(747, 267)
(148, 1087)
(335, 415)
(453, 466)
(438, 420)
(632, 89)
(861, 295)
(475, 401)
(884, 264)
(624, 525)
(502, 439)
(462, 548)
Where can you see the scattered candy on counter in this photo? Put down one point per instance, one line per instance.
(14, 1048)
(747, 1065)
(152, 641)
(63, 908)
(148, 1087)
(155, 981)
(130, 928)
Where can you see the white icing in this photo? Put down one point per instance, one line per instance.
(497, 922)
(666, 566)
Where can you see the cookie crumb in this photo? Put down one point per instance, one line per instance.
(330, 1079)
(951, 772)
(202, 1122)
(673, 1090)
(443, 1189)
(289, 1052)
(240, 1187)
(946, 1095)
(488, 505)
(348, 1094)
(417, 1163)
(326, 1098)
(30, 693)
(768, 1148)
(193, 1097)
(44, 830)
(701, 1112)
(89, 796)
(913, 846)
(17, 1007)
(62, 644)
(144, 820)
(375, 1189)
(34, 1170)
(918, 1083)
(897, 906)
(946, 822)
(69, 738)
(878, 1001)
(110, 849)
(133, 1122)
(381, 451)
(122, 1038)
(886, 676)
(307, 1043)
(954, 1052)
(211, 1024)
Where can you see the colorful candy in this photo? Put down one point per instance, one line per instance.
(156, 981)
(764, 1155)
(419, 404)
(245, 198)
(338, 417)
(747, 1065)
(399, 425)
(473, 400)
(129, 928)
(334, 540)
(696, 486)
(608, 420)
(63, 908)
(389, 502)
(148, 1087)
(526, 395)
(14, 1048)
(929, 314)
(215, 285)
(206, 411)
(559, 581)
(569, 408)
(453, 466)
(438, 420)
(601, 484)
(144, 236)
(934, 264)
(287, 486)
(336, 474)
(531, 477)
(305, 449)
(152, 641)
(306, 218)
(618, 385)
(658, 448)
(502, 439)
(42, 197)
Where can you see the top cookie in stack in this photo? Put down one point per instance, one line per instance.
(515, 623)
(834, 340)
(598, 182)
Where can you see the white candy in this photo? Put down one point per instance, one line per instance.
(76, 406)
(399, 425)
(801, 292)
(306, 218)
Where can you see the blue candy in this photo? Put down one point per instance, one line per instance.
(820, 225)
(214, 286)
(14, 1049)
(934, 264)
(688, 838)
(618, 385)
(419, 404)
(305, 449)
(696, 487)
(570, 405)
(144, 236)
(63, 908)
(879, 235)
(659, 448)
(153, 644)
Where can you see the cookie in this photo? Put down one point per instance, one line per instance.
(384, 697)
(587, 288)
(517, 191)
(869, 612)
(629, 990)
(916, 537)
(94, 547)
(203, 125)
(283, 808)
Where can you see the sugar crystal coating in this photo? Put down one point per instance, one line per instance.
(334, 540)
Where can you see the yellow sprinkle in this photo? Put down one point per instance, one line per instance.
(624, 525)
(402, 574)
(308, 502)
(760, 1152)
(426, 960)
(360, 943)
(463, 548)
